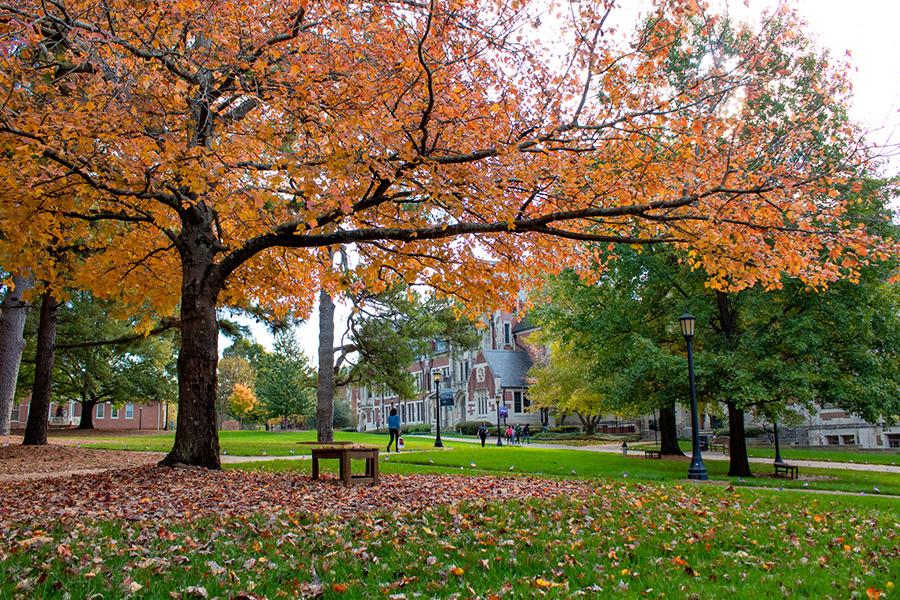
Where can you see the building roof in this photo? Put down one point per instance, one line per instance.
(509, 366)
(524, 325)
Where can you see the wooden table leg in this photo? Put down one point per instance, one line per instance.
(315, 467)
(375, 469)
(346, 471)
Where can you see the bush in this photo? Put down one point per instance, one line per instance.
(578, 436)
(565, 429)
(420, 428)
(470, 427)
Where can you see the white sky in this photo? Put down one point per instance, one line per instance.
(865, 28)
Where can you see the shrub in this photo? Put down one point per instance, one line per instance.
(565, 429)
(469, 427)
(420, 428)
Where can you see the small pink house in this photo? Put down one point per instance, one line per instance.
(151, 415)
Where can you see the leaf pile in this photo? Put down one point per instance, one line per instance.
(154, 493)
(25, 462)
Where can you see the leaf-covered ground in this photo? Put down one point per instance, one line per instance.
(26, 462)
(159, 533)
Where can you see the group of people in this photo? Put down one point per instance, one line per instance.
(517, 434)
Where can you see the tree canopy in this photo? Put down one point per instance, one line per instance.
(182, 155)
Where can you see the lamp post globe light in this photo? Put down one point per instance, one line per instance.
(437, 401)
(697, 469)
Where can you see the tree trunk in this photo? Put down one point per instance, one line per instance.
(87, 415)
(38, 414)
(738, 463)
(13, 312)
(196, 435)
(325, 389)
(668, 432)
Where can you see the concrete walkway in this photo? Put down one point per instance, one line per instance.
(617, 449)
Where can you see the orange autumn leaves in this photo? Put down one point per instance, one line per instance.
(428, 139)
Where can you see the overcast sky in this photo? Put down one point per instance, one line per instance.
(865, 28)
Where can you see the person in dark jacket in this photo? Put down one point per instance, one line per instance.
(482, 433)
(394, 430)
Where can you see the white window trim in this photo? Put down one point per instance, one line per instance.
(507, 333)
(100, 411)
(113, 412)
(131, 407)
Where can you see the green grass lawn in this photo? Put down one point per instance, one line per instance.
(522, 459)
(247, 443)
(583, 464)
(626, 540)
(854, 456)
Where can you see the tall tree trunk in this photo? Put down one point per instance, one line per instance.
(668, 432)
(39, 412)
(13, 312)
(325, 389)
(87, 415)
(738, 463)
(196, 435)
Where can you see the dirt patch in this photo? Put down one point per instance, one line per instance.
(30, 462)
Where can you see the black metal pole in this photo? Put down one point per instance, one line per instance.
(655, 426)
(697, 469)
(778, 460)
(499, 440)
(437, 400)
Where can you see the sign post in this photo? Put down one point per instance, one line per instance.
(502, 412)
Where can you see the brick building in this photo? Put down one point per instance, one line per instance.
(131, 415)
(473, 382)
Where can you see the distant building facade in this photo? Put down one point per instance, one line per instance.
(131, 415)
(474, 383)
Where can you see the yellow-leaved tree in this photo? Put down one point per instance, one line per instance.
(242, 401)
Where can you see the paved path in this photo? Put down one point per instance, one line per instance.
(617, 449)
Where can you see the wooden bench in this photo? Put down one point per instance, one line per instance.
(345, 454)
(652, 453)
(788, 470)
(723, 444)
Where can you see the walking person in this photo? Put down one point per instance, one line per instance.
(509, 434)
(518, 432)
(394, 430)
(526, 433)
(482, 433)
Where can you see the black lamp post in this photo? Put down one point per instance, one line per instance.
(499, 437)
(697, 469)
(437, 400)
(778, 460)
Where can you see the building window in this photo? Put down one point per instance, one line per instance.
(848, 440)
(465, 377)
(893, 441)
(507, 334)
(129, 411)
(101, 411)
(113, 413)
(832, 440)
(517, 402)
(482, 401)
(14, 415)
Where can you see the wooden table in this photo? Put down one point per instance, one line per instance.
(788, 470)
(651, 453)
(345, 454)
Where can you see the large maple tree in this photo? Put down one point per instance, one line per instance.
(215, 153)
